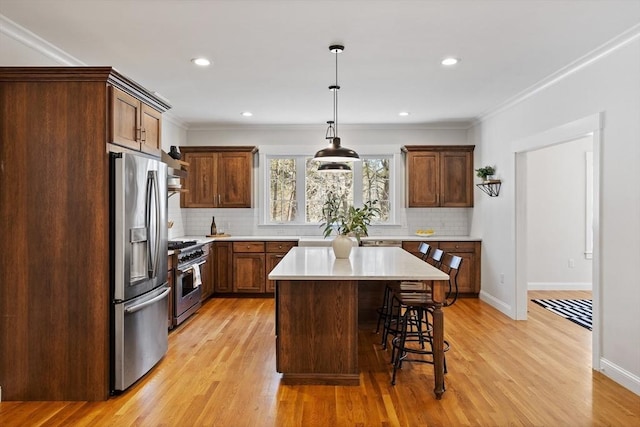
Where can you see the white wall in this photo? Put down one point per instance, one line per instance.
(174, 133)
(610, 85)
(308, 140)
(556, 217)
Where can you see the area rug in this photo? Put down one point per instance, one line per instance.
(576, 310)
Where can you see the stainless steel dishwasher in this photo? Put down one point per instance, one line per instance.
(382, 242)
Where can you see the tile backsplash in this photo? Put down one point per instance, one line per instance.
(244, 222)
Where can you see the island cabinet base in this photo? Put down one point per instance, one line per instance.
(317, 331)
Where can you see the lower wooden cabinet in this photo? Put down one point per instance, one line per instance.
(275, 252)
(470, 272)
(248, 267)
(242, 267)
(223, 267)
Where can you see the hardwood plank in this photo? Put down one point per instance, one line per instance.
(220, 370)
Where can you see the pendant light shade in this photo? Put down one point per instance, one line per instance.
(335, 152)
(334, 167)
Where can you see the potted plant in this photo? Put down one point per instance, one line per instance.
(486, 173)
(347, 221)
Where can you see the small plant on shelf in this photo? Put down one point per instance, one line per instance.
(486, 173)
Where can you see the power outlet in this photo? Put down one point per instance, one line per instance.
(572, 263)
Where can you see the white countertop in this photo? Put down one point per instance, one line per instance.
(321, 241)
(372, 263)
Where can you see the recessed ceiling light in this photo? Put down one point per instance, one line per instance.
(404, 113)
(247, 113)
(203, 62)
(450, 61)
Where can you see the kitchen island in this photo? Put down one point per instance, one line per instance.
(317, 310)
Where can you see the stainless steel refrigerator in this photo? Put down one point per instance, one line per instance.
(139, 266)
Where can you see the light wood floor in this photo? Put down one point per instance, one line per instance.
(220, 371)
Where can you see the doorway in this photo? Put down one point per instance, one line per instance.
(588, 127)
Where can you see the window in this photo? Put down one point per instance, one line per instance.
(294, 182)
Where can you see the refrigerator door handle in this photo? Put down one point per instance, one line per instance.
(154, 190)
(142, 305)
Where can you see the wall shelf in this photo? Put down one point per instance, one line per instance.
(491, 187)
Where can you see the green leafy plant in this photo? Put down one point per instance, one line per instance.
(485, 172)
(347, 220)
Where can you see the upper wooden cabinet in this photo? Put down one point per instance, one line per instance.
(439, 175)
(134, 124)
(219, 177)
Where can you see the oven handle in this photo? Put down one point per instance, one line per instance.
(190, 266)
(153, 300)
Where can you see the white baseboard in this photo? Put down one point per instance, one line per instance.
(561, 286)
(497, 304)
(620, 375)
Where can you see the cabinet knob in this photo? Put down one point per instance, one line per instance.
(279, 246)
(248, 246)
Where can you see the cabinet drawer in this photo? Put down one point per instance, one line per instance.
(248, 246)
(458, 246)
(282, 247)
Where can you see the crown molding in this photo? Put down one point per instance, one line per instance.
(32, 40)
(175, 120)
(452, 125)
(595, 55)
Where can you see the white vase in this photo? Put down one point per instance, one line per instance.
(342, 246)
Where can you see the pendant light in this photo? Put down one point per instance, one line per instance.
(332, 166)
(335, 152)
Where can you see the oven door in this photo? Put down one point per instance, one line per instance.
(187, 288)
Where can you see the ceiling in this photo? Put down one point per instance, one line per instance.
(271, 57)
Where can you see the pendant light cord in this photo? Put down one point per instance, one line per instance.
(335, 98)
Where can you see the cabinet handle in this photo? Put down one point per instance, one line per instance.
(219, 200)
(143, 132)
(278, 256)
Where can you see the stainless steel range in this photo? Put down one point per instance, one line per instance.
(191, 260)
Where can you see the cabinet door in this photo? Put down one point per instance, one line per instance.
(275, 252)
(124, 119)
(234, 179)
(199, 183)
(151, 120)
(469, 274)
(248, 272)
(423, 179)
(223, 256)
(456, 179)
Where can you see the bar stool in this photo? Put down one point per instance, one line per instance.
(423, 249)
(452, 267)
(413, 328)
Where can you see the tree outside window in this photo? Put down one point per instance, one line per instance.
(294, 181)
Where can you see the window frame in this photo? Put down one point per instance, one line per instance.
(300, 160)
